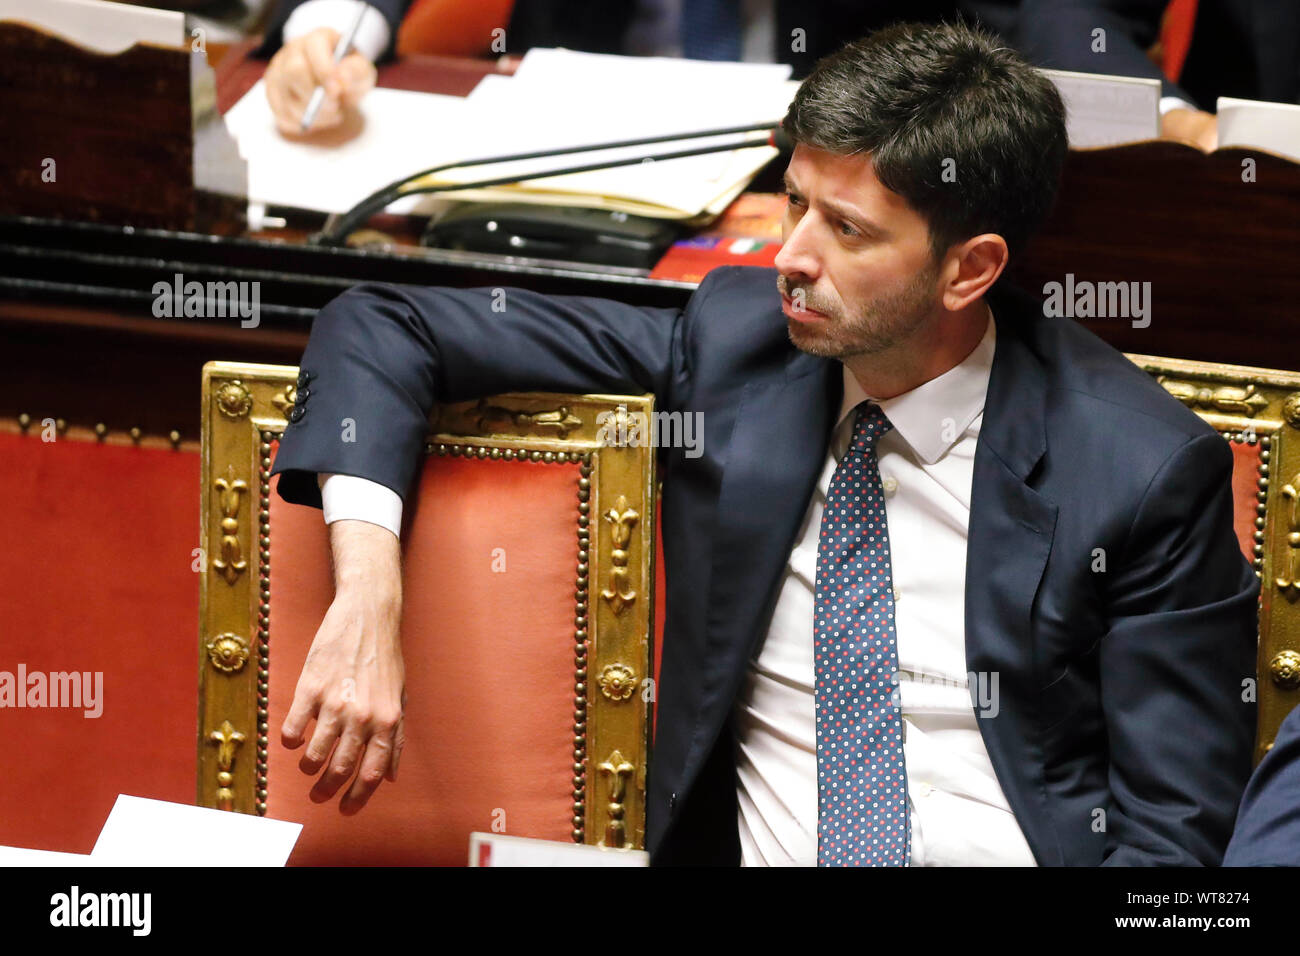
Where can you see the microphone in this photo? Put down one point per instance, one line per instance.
(339, 226)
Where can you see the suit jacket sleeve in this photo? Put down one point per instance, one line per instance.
(1174, 666)
(381, 356)
(1268, 824)
(393, 11)
(1058, 35)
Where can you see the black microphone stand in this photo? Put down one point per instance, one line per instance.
(339, 226)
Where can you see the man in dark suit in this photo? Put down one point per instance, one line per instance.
(1058, 546)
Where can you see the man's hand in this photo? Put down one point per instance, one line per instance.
(1196, 127)
(304, 63)
(352, 681)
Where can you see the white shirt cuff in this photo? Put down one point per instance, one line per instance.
(1167, 103)
(360, 499)
(372, 38)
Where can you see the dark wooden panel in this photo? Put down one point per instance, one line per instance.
(1222, 254)
(117, 128)
(95, 365)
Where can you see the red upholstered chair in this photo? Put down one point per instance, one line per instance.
(97, 579)
(529, 571)
(528, 708)
(1257, 410)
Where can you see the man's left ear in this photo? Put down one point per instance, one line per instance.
(971, 268)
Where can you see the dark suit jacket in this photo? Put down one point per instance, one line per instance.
(1268, 822)
(1121, 736)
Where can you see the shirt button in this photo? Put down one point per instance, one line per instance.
(896, 594)
(890, 484)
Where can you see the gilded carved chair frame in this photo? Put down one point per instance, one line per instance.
(1258, 406)
(246, 407)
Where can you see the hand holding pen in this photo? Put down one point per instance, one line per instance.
(313, 79)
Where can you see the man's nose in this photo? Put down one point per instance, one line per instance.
(797, 258)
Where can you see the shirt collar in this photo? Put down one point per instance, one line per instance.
(918, 415)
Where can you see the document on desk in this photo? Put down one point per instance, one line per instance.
(562, 98)
(556, 98)
(401, 133)
(1103, 110)
(1273, 127)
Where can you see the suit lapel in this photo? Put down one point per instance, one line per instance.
(1008, 542)
(777, 449)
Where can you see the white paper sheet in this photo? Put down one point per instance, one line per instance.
(497, 849)
(402, 133)
(1107, 110)
(1274, 127)
(143, 832)
(18, 856)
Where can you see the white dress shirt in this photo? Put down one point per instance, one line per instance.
(346, 496)
(1168, 103)
(959, 814)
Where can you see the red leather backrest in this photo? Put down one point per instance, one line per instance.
(489, 666)
(97, 576)
(1245, 494)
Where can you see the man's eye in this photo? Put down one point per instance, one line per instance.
(848, 231)
(793, 199)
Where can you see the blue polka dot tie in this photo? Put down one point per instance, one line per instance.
(861, 778)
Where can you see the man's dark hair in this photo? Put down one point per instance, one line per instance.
(914, 95)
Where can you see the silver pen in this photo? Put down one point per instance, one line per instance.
(340, 51)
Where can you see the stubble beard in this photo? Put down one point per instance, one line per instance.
(884, 322)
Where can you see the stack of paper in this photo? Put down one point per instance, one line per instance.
(1274, 127)
(557, 98)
